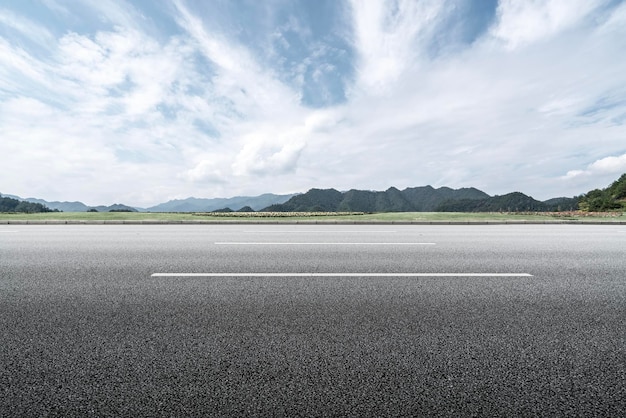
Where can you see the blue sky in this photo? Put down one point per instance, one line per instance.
(144, 101)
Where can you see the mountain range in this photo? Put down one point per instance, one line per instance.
(193, 204)
(74, 206)
(418, 199)
(413, 199)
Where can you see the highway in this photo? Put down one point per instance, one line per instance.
(312, 320)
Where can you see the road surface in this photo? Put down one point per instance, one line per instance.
(312, 320)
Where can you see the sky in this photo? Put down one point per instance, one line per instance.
(139, 102)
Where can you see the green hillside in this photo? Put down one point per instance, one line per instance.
(8, 204)
(610, 198)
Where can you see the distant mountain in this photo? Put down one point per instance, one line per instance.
(186, 205)
(62, 206)
(9, 204)
(73, 206)
(558, 204)
(427, 198)
(391, 200)
(417, 199)
(511, 202)
(412, 199)
(193, 204)
(315, 200)
(116, 207)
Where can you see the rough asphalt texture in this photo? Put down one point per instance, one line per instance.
(85, 329)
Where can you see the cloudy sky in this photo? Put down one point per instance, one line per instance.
(140, 102)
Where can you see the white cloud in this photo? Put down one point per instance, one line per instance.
(19, 71)
(26, 27)
(262, 117)
(323, 120)
(124, 68)
(90, 63)
(387, 37)
(524, 22)
(558, 106)
(269, 153)
(208, 170)
(607, 165)
(56, 7)
(119, 14)
(46, 142)
(253, 90)
(617, 20)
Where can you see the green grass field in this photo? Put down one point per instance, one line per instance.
(115, 217)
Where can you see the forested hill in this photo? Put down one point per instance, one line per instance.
(511, 202)
(610, 198)
(418, 199)
(8, 204)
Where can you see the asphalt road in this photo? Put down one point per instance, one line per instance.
(87, 328)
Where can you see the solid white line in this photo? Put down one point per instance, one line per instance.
(341, 275)
(304, 231)
(323, 243)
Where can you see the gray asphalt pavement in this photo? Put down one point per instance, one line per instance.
(87, 329)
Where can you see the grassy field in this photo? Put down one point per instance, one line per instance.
(115, 217)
